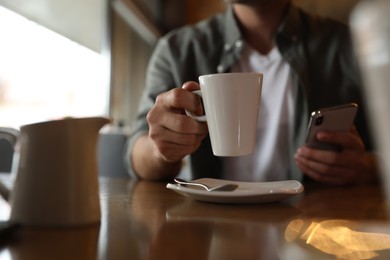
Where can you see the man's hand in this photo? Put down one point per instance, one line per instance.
(172, 134)
(350, 166)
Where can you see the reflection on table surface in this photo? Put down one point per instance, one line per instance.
(144, 220)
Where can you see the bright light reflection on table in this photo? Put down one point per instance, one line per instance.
(338, 237)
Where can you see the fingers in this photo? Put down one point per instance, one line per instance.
(198, 107)
(172, 146)
(348, 140)
(324, 166)
(179, 98)
(163, 134)
(191, 86)
(175, 134)
(165, 118)
(331, 167)
(167, 112)
(325, 157)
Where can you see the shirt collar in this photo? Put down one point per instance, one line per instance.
(288, 33)
(290, 29)
(232, 31)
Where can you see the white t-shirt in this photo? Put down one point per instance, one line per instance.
(270, 161)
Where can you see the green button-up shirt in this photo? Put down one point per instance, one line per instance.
(318, 50)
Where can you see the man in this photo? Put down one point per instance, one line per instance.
(307, 64)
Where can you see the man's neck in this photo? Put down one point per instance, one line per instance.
(259, 23)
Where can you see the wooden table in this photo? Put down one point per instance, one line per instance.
(144, 220)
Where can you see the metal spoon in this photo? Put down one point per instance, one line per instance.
(224, 187)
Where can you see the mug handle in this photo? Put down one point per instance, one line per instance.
(197, 118)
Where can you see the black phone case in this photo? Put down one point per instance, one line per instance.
(336, 118)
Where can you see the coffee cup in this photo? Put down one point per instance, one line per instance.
(231, 103)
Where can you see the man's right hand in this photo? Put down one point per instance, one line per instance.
(172, 134)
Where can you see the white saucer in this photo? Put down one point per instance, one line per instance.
(246, 193)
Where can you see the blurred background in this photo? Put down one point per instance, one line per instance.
(85, 58)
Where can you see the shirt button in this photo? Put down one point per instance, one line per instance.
(238, 44)
(227, 47)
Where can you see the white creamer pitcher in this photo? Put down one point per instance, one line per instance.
(57, 180)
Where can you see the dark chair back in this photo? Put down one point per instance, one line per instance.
(8, 139)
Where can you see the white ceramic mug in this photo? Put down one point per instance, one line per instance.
(231, 103)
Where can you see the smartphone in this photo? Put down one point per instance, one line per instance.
(335, 118)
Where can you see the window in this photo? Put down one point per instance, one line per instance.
(45, 76)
